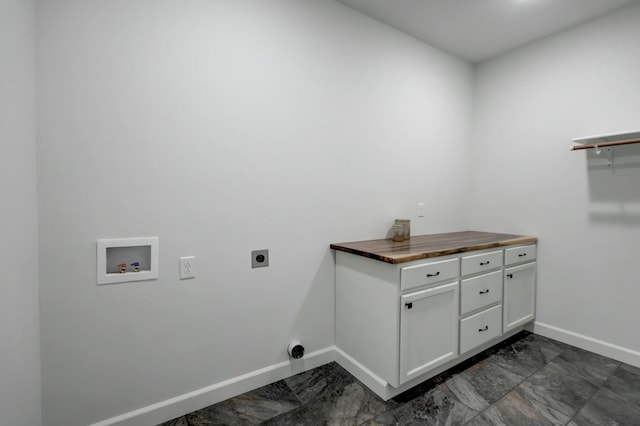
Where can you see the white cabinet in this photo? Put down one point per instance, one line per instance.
(398, 324)
(397, 335)
(428, 329)
(519, 295)
(519, 286)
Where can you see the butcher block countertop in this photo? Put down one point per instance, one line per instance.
(434, 245)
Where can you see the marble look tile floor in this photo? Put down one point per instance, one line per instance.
(526, 380)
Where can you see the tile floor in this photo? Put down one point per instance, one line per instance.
(526, 380)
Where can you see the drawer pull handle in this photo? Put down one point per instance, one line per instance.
(409, 305)
(509, 275)
(484, 263)
(433, 275)
(486, 327)
(484, 292)
(522, 254)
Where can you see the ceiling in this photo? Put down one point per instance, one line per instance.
(476, 30)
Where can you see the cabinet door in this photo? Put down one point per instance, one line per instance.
(519, 295)
(428, 329)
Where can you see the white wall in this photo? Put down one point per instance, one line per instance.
(223, 127)
(530, 104)
(19, 328)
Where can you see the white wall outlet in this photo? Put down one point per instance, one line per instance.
(420, 209)
(187, 267)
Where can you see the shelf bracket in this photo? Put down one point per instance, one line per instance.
(608, 153)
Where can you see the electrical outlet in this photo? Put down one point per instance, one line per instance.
(420, 209)
(187, 267)
(259, 258)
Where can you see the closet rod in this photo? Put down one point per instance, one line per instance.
(605, 144)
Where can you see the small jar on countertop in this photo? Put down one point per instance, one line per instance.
(406, 223)
(397, 232)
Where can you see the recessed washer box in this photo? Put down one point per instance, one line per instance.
(127, 259)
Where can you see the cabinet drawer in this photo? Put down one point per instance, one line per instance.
(480, 291)
(480, 328)
(519, 254)
(481, 262)
(428, 273)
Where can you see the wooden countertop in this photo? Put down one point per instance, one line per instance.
(434, 245)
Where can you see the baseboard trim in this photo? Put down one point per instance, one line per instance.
(600, 347)
(175, 407)
(385, 391)
(362, 373)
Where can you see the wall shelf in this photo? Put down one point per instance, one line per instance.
(603, 141)
(600, 143)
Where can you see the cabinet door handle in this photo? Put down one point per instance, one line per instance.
(409, 305)
(522, 254)
(486, 327)
(484, 263)
(484, 292)
(433, 275)
(509, 275)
